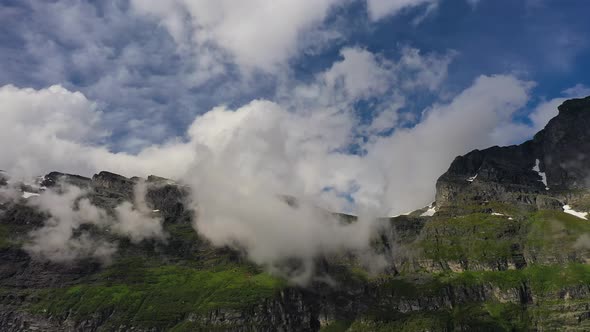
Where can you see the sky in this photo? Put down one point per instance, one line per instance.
(356, 105)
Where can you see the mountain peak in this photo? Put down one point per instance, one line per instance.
(573, 105)
(540, 173)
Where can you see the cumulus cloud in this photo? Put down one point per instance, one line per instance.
(311, 146)
(255, 34)
(361, 74)
(254, 158)
(121, 60)
(242, 162)
(401, 169)
(38, 118)
(515, 132)
(56, 129)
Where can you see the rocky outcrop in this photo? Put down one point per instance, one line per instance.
(534, 174)
(19, 270)
(111, 183)
(54, 178)
(3, 179)
(564, 146)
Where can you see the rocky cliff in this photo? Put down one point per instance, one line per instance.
(507, 249)
(543, 173)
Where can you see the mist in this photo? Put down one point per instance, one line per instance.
(137, 220)
(76, 229)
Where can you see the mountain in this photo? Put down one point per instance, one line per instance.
(506, 246)
(542, 172)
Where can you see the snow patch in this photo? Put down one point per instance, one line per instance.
(403, 214)
(27, 194)
(497, 214)
(568, 209)
(541, 174)
(155, 210)
(430, 212)
(472, 178)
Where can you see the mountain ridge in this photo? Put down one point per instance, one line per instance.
(500, 253)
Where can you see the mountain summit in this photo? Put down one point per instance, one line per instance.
(544, 172)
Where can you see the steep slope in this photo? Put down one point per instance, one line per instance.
(543, 173)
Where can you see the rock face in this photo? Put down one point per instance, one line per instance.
(107, 182)
(3, 179)
(564, 146)
(532, 174)
(53, 178)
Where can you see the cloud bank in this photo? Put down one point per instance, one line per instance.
(241, 163)
(302, 153)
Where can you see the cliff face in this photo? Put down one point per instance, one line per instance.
(542, 173)
(500, 253)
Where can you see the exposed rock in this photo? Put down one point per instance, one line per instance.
(167, 199)
(515, 174)
(564, 146)
(113, 183)
(3, 178)
(53, 178)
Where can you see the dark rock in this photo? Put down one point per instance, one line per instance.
(565, 146)
(22, 216)
(54, 178)
(169, 200)
(506, 174)
(114, 183)
(19, 270)
(3, 178)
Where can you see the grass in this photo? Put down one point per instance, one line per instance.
(484, 239)
(142, 295)
(552, 233)
(4, 237)
(486, 316)
(336, 326)
(477, 237)
(542, 279)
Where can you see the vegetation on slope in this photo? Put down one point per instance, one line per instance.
(136, 293)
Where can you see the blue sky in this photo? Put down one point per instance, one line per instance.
(348, 81)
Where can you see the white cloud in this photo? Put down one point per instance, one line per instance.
(359, 74)
(302, 152)
(239, 162)
(62, 238)
(56, 240)
(577, 91)
(136, 220)
(379, 9)
(515, 132)
(402, 169)
(257, 34)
